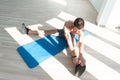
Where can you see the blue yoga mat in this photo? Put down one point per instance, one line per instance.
(39, 50)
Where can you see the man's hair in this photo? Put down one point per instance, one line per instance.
(79, 23)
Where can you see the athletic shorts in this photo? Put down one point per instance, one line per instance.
(61, 33)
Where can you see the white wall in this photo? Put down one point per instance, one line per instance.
(109, 14)
(97, 4)
(114, 18)
(105, 12)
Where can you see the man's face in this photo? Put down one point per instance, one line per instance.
(76, 30)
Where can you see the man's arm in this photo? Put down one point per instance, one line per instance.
(68, 38)
(81, 46)
(80, 42)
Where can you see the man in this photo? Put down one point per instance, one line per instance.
(69, 30)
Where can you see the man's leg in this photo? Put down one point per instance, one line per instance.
(79, 70)
(40, 33)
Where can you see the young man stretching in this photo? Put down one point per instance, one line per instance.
(69, 30)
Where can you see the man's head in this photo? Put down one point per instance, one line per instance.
(79, 23)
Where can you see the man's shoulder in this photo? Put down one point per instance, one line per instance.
(69, 21)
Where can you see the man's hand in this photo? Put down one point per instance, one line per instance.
(82, 60)
(75, 60)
